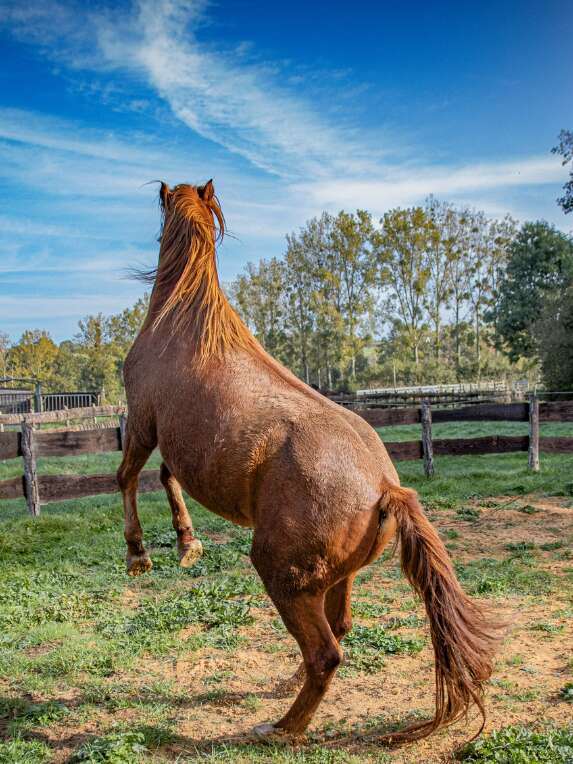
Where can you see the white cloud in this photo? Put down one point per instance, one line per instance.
(400, 187)
(238, 105)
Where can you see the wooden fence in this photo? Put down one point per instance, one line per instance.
(63, 415)
(31, 444)
(443, 395)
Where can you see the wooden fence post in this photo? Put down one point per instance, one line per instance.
(533, 460)
(30, 473)
(426, 418)
(122, 430)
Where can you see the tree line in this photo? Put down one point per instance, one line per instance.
(419, 296)
(91, 361)
(427, 294)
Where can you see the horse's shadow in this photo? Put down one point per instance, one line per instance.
(349, 738)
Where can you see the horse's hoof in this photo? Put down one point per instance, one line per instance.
(190, 553)
(267, 730)
(138, 564)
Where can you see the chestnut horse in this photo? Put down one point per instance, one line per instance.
(252, 443)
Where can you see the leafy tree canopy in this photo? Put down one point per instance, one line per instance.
(540, 263)
(565, 149)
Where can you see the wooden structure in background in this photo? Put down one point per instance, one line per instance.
(29, 444)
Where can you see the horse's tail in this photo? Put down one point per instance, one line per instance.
(464, 640)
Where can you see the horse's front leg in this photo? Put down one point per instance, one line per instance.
(189, 548)
(134, 458)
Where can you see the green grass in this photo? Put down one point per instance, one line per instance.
(84, 464)
(493, 577)
(119, 748)
(366, 646)
(473, 430)
(459, 478)
(521, 745)
(273, 754)
(18, 751)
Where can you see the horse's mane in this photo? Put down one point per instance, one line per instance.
(186, 276)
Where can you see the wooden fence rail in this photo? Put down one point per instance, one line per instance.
(31, 444)
(549, 411)
(63, 415)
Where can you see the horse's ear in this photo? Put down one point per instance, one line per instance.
(207, 192)
(164, 194)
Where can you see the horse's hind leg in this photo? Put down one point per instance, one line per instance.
(302, 611)
(188, 547)
(337, 608)
(303, 615)
(134, 458)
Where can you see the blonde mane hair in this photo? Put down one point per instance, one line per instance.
(186, 274)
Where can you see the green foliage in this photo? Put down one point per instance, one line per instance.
(540, 265)
(547, 628)
(29, 599)
(554, 335)
(280, 754)
(426, 268)
(206, 604)
(33, 357)
(375, 639)
(492, 577)
(565, 149)
(92, 361)
(566, 692)
(17, 713)
(369, 609)
(366, 646)
(520, 745)
(118, 748)
(18, 751)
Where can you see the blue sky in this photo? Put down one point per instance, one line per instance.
(292, 108)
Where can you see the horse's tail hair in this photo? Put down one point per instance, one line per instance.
(464, 639)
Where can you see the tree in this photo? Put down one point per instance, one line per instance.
(122, 328)
(458, 282)
(33, 356)
(565, 149)
(486, 258)
(540, 264)
(259, 296)
(299, 281)
(316, 238)
(440, 257)
(4, 346)
(100, 359)
(402, 247)
(351, 239)
(554, 338)
(67, 367)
